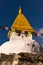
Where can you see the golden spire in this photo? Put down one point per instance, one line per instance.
(20, 10)
(21, 23)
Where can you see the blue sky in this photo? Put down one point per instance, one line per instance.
(32, 9)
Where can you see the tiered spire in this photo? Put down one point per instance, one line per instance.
(21, 23)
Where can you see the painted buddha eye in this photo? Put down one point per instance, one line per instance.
(18, 34)
(28, 44)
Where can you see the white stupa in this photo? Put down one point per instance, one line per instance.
(20, 37)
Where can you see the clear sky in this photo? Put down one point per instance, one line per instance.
(32, 9)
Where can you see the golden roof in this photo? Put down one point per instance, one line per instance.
(21, 23)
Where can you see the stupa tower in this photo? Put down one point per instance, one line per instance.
(20, 36)
(22, 24)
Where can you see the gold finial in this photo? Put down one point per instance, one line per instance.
(20, 10)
